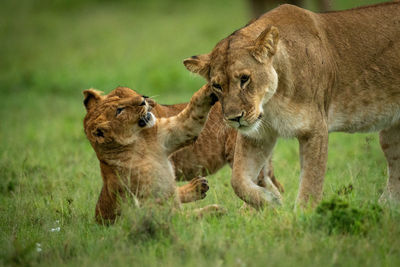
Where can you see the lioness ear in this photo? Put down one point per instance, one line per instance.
(198, 64)
(92, 97)
(266, 44)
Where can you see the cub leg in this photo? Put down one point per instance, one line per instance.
(181, 130)
(250, 158)
(313, 157)
(195, 190)
(107, 206)
(390, 144)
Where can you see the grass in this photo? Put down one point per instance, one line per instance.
(49, 177)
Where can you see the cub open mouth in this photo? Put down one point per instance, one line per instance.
(146, 120)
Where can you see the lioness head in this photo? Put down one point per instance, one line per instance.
(241, 73)
(116, 118)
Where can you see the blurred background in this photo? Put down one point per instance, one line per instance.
(60, 47)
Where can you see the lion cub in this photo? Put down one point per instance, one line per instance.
(133, 146)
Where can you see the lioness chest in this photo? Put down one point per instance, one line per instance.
(367, 111)
(286, 118)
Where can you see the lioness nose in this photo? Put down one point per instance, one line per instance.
(236, 117)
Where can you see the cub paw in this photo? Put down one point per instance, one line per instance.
(200, 185)
(196, 189)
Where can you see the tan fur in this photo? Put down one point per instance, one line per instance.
(133, 147)
(213, 149)
(295, 73)
(196, 189)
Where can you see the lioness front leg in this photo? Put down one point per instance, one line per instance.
(313, 157)
(195, 190)
(250, 158)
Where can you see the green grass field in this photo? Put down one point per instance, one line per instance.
(50, 179)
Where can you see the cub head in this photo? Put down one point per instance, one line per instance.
(116, 119)
(241, 73)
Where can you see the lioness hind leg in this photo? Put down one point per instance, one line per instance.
(390, 144)
(195, 190)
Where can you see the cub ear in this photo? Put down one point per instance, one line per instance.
(266, 44)
(198, 64)
(92, 97)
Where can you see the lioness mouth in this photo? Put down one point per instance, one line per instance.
(145, 120)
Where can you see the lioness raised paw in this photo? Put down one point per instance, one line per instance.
(196, 189)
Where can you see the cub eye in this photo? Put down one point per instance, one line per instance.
(217, 86)
(118, 111)
(244, 79)
(143, 103)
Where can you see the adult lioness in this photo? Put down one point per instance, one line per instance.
(295, 73)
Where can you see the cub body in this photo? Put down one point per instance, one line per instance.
(133, 147)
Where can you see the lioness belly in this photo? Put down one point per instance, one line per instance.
(363, 118)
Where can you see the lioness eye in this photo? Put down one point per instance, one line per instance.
(118, 111)
(217, 86)
(244, 79)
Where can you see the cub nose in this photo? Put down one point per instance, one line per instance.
(236, 117)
